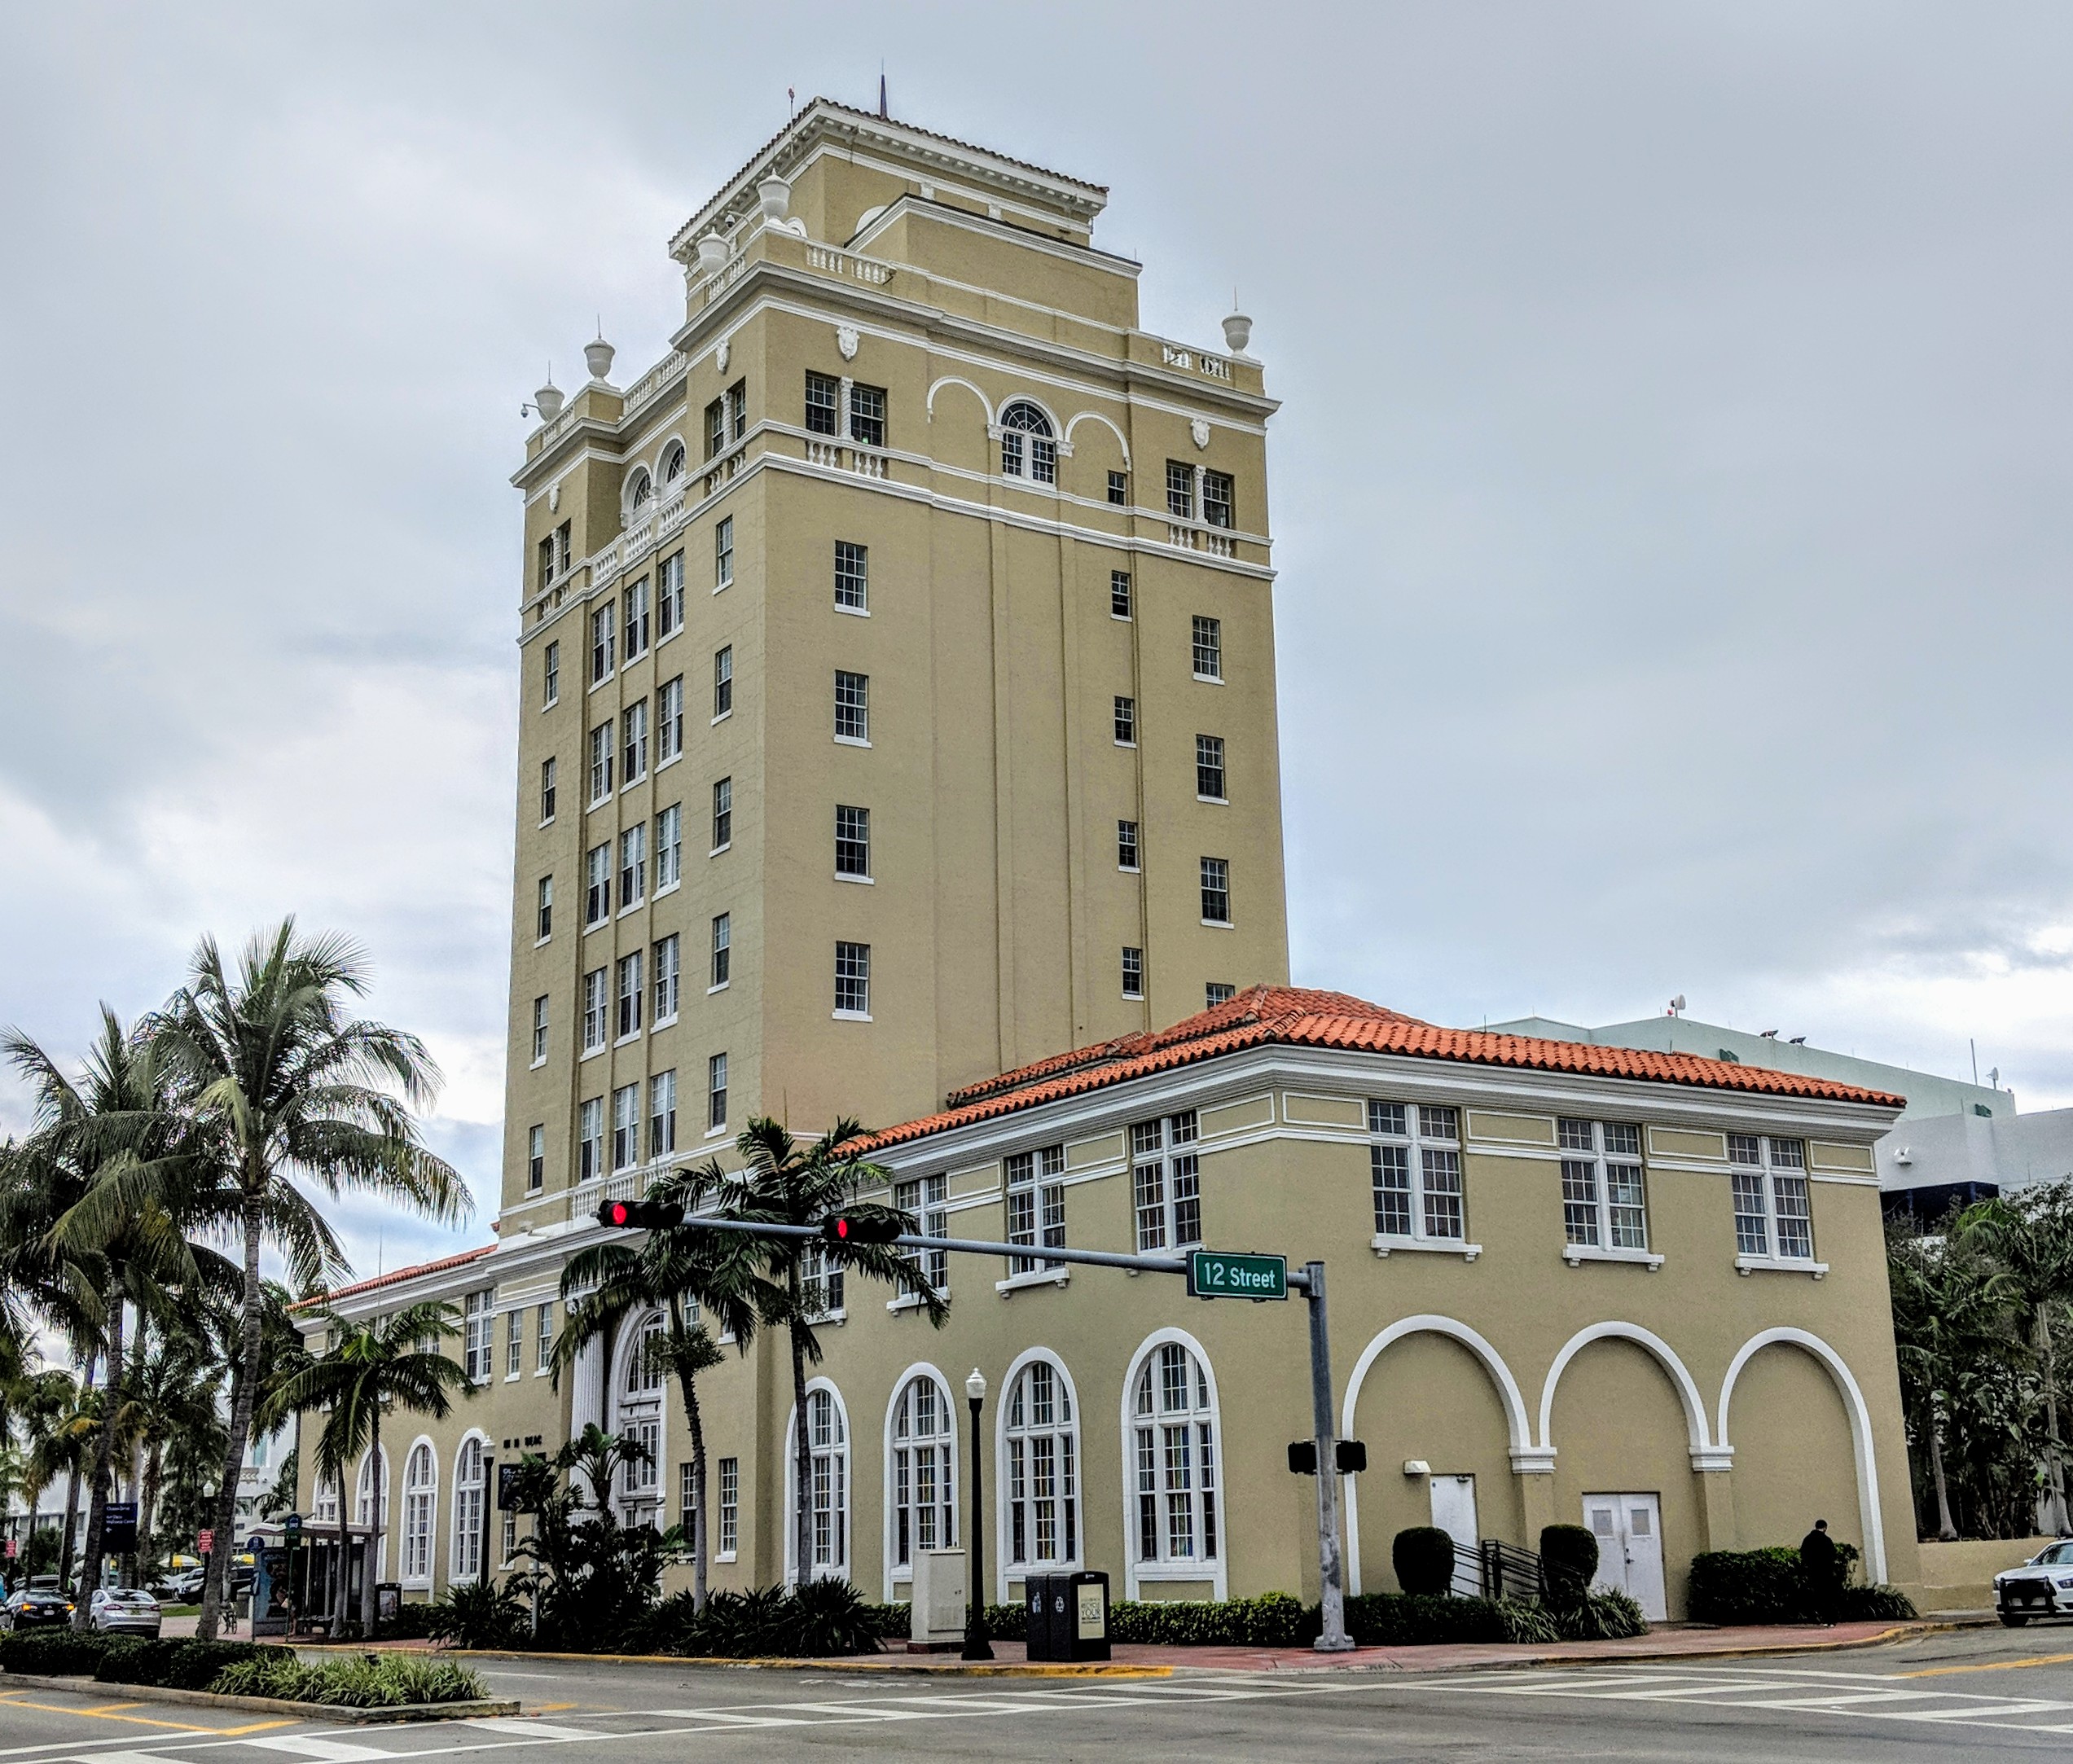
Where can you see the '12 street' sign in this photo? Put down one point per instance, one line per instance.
(1220, 1273)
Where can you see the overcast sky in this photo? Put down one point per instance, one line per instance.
(1671, 492)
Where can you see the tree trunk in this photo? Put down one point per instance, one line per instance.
(376, 1531)
(697, 1424)
(241, 1405)
(1945, 1527)
(2054, 1463)
(338, 1621)
(154, 1479)
(66, 1549)
(802, 1448)
(97, 1508)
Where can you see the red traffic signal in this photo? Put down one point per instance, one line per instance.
(862, 1227)
(640, 1215)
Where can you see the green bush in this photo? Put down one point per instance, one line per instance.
(825, 1619)
(1768, 1585)
(475, 1615)
(179, 1663)
(1601, 1617)
(361, 1681)
(1569, 1560)
(1874, 1605)
(53, 1652)
(413, 1620)
(1423, 1557)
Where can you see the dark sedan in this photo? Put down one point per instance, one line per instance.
(37, 1609)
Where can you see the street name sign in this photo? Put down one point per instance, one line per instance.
(1224, 1274)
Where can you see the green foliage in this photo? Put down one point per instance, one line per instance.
(825, 1619)
(413, 1620)
(1768, 1586)
(1877, 1603)
(1527, 1623)
(58, 1653)
(177, 1663)
(1423, 1557)
(358, 1681)
(1568, 1558)
(472, 1615)
(1601, 1617)
(1409, 1620)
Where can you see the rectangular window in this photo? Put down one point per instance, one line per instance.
(737, 409)
(1414, 1156)
(547, 791)
(1217, 992)
(476, 1320)
(589, 1139)
(1773, 1206)
(867, 415)
(1208, 767)
(596, 1009)
(540, 1030)
(1036, 1205)
(633, 866)
(668, 597)
(852, 841)
(536, 1160)
(600, 763)
(1604, 1198)
(1209, 648)
(633, 746)
(631, 995)
(722, 681)
(722, 814)
(1127, 845)
(603, 637)
(667, 980)
(924, 1198)
(723, 553)
(550, 680)
(852, 576)
(547, 562)
(625, 1126)
(514, 1342)
(1125, 722)
(852, 706)
(543, 1336)
(688, 1497)
(1166, 1182)
(1216, 498)
(662, 1115)
(716, 426)
(729, 1506)
(823, 404)
(669, 721)
(597, 885)
(634, 631)
(820, 1283)
(1119, 602)
(1118, 489)
(669, 847)
(543, 920)
(716, 1091)
(722, 949)
(1133, 973)
(853, 979)
(1180, 490)
(1216, 891)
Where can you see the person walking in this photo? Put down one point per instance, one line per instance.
(1820, 1565)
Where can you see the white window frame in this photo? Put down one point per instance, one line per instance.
(669, 848)
(536, 1158)
(626, 1125)
(723, 682)
(597, 884)
(855, 711)
(669, 978)
(1222, 887)
(478, 1341)
(420, 1511)
(633, 744)
(857, 838)
(728, 1532)
(1130, 845)
(835, 1455)
(1210, 757)
(603, 755)
(630, 994)
(669, 722)
(634, 625)
(910, 1460)
(857, 981)
(550, 789)
(853, 580)
(928, 1199)
(1015, 1478)
(597, 1009)
(540, 1008)
(724, 555)
(668, 598)
(1777, 1174)
(1166, 1182)
(1593, 1153)
(471, 1496)
(716, 1093)
(1206, 639)
(719, 966)
(633, 867)
(605, 639)
(1212, 1552)
(1033, 1212)
(723, 815)
(589, 1139)
(662, 1115)
(1133, 971)
(1427, 1155)
(1124, 720)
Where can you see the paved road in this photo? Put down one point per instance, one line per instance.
(1983, 1694)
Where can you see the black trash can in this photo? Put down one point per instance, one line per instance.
(1036, 1608)
(1080, 1614)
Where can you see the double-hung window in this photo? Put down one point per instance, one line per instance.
(589, 1139)
(596, 1009)
(536, 1160)
(543, 921)
(716, 1092)
(1414, 1160)
(723, 682)
(635, 628)
(923, 1197)
(1605, 1200)
(853, 979)
(1119, 602)
(476, 1317)
(820, 1284)
(1166, 1182)
(852, 576)
(1216, 891)
(667, 979)
(722, 814)
(716, 426)
(1125, 722)
(1774, 1217)
(550, 678)
(633, 866)
(600, 763)
(630, 995)
(669, 847)
(669, 721)
(1036, 1205)
(1119, 490)
(668, 597)
(1133, 972)
(1127, 848)
(633, 746)
(823, 404)
(1217, 502)
(514, 1342)
(1208, 768)
(852, 707)
(547, 791)
(1209, 648)
(603, 636)
(540, 1030)
(852, 842)
(729, 1508)
(1180, 490)
(625, 1126)
(543, 1337)
(662, 1115)
(597, 884)
(723, 553)
(722, 950)
(737, 409)
(867, 415)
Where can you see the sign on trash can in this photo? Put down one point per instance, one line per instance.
(1068, 1615)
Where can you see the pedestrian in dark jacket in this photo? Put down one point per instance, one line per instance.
(1821, 1564)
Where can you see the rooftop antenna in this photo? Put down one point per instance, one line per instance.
(1975, 1046)
(882, 110)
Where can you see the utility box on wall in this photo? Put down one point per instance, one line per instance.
(938, 1605)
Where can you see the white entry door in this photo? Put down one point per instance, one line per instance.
(1629, 1531)
(1454, 1512)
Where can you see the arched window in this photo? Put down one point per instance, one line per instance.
(644, 1375)
(672, 463)
(1042, 1485)
(922, 1483)
(827, 1488)
(639, 1418)
(323, 1510)
(420, 1510)
(469, 1478)
(1021, 424)
(1174, 1458)
(363, 1492)
(639, 493)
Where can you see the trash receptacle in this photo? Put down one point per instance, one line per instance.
(1080, 1603)
(1040, 1632)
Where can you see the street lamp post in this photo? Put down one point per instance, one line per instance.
(976, 1644)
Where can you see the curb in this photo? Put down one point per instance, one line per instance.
(263, 1706)
(1008, 1669)
(1900, 1632)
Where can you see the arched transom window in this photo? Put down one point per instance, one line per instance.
(1175, 1458)
(638, 495)
(363, 1492)
(1027, 446)
(1042, 1476)
(470, 1475)
(672, 463)
(828, 1446)
(420, 1505)
(924, 1452)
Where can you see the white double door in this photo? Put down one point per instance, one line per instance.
(1629, 1531)
(1454, 1512)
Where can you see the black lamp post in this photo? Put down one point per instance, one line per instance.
(977, 1647)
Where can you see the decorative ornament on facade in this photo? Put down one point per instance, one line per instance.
(846, 340)
(1200, 429)
(720, 355)
(554, 499)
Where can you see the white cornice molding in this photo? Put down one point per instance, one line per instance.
(1087, 256)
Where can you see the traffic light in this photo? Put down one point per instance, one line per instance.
(1350, 1456)
(1302, 1457)
(862, 1227)
(640, 1215)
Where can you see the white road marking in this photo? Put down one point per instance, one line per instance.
(525, 1728)
(313, 1746)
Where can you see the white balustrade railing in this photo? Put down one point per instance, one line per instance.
(1215, 365)
(655, 380)
(837, 262)
(838, 456)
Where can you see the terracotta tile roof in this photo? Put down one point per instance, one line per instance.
(391, 1279)
(1298, 1017)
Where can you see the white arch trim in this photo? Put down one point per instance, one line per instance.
(454, 1506)
(1518, 1434)
(1095, 416)
(422, 1442)
(791, 1516)
(1869, 1517)
(953, 379)
(1702, 1444)
(1216, 1571)
(919, 1369)
(1020, 1364)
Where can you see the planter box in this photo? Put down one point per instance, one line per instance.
(266, 1705)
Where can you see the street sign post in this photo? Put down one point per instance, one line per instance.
(1222, 1274)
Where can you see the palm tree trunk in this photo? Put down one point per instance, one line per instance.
(97, 1507)
(802, 1448)
(344, 1562)
(65, 1552)
(241, 1406)
(148, 1497)
(375, 1529)
(2054, 1464)
(697, 1421)
(1946, 1528)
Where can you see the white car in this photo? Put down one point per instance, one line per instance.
(123, 1611)
(2042, 1587)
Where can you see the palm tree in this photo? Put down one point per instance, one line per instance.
(66, 1448)
(288, 1085)
(788, 1183)
(39, 1401)
(390, 1363)
(689, 1275)
(598, 1457)
(171, 1396)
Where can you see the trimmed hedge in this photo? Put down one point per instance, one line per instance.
(175, 1662)
(53, 1652)
(1423, 1557)
(825, 1619)
(1768, 1585)
(1569, 1562)
(363, 1681)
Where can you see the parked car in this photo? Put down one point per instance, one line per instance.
(2042, 1587)
(123, 1611)
(182, 1586)
(36, 1607)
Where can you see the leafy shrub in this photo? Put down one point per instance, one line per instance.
(891, 1622)
(1527, 1623)
(179, 1662)
(825, 1619)
(1601, 1617)
(1407, 1620)
(1878, 1603)
(53, 1652)
(413, 1620)
(1569, 1559)
(1011, 1622)
(1423, 1557)
(1768, 1585)
(361, 1681)
(474, 1614)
